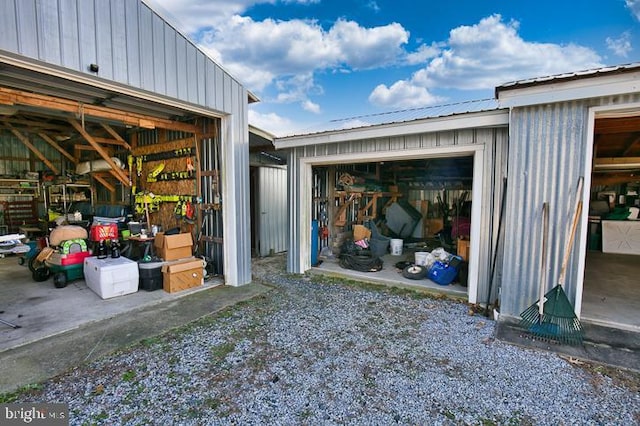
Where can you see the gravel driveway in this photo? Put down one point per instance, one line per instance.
(318, 351)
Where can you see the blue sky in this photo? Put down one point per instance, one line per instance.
(312, 61)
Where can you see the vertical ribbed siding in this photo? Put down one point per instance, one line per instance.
(272, 210)
(548, 147)
(494, 142)
(131, 43)
(547, 153)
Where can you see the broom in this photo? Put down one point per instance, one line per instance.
(554, 317)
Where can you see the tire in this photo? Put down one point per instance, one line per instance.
(41, 273)
(21, 260)
(60, 280)
(414, 272)
(33, 263)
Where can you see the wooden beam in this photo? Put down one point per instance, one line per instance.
(122, 177)
(108, 141)
(37, 124)
(54, 144)
(103, 182)
(18, 97)
(633, 142)
(115, 135)
(33, 149)
(619, 161)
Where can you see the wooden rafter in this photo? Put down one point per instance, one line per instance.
(120, 174)
(32, 147)
(101, 178)
(116, 136)
(18, 97)
(633, 142)
(54, 144)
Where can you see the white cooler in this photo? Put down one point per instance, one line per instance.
(111, 277)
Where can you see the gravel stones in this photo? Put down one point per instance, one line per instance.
(318, 351)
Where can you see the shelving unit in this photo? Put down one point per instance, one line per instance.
(60, 197)
(10, 188)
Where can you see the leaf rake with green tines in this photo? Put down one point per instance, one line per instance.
(552, 317)
(558, 321)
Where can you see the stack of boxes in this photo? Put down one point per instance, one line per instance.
(180, 269)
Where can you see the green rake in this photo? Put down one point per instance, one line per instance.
(552, 317)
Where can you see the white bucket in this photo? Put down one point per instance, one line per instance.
(421, 258)
(396, 247)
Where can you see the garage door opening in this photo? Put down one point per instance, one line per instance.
(404, 212)
(611, 292)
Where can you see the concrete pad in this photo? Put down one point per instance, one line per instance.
(37, 359)
(609, 346)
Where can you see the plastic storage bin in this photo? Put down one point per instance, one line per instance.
(444, 273)
(111, 277)
(150, 275)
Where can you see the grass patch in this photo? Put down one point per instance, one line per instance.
(220, 352)
(10, 397)
(129, 376)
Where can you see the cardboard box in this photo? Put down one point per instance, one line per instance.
(111, 277)
(181, 275)
(173, 247)
(463, 249)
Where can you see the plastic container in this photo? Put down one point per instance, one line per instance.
(443, 273)
(378, 246)
(111, 277)
(396, 246)
(421, 258)
(150, 275)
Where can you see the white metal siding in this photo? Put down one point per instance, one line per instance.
(130, 43)
(494, 141)
(272, 210)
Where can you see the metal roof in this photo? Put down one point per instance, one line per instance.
(401, 116)
(576, 75)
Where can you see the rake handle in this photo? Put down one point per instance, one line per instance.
(574, 226)
(543, 257)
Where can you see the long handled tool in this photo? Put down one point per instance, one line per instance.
(498, 241)
(559, 321)
(533, 316)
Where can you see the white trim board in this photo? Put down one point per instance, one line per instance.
(493, 118)
(594, 113)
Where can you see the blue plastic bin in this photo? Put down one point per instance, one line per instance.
(442, 273)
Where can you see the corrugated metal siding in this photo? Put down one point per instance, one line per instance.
(272, 205)
(495, 143)
(131, 43)
(546, 158)
(17, 158)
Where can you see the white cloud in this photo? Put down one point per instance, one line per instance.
(272, 123)
(402, 94)
(634, 7)
(310, 106)
(621, 46)
(485, 55)
(271, 48)
(423, 54)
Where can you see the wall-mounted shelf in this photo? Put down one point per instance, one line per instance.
(19, 188)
